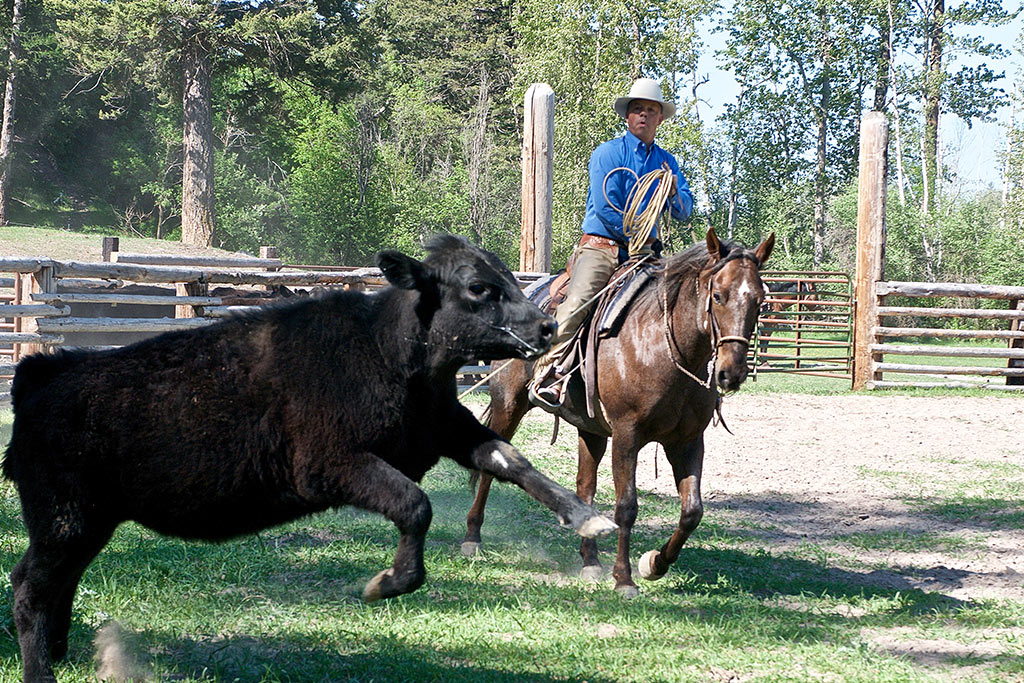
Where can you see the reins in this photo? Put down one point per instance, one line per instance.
(717, 339)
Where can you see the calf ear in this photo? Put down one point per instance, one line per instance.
(400, 270)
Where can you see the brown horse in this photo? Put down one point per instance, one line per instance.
(653, 383)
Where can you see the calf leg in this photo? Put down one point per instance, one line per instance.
(687, 463)
(44, 583)
(368, 482)
(591, 451)
(504, 462)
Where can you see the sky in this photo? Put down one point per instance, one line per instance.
(973, 151)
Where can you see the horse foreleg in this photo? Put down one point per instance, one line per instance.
(475, 517)
(624, 452)
(591, 451)
(687, 464)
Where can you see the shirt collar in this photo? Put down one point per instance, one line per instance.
(634, 143)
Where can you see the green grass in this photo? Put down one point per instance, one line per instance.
(284, 605)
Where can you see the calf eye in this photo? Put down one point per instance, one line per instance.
(479, 289)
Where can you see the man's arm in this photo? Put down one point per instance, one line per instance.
(602, 161)
(681, 203)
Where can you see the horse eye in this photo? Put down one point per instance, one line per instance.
(478, 289)
(717, 297)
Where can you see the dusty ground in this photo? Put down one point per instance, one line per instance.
(822, 470)
(803, 468)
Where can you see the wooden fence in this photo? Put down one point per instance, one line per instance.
(41, 299)
(1008, 375)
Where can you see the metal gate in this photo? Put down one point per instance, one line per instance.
(806, 324)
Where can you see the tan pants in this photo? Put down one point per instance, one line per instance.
(591, 270)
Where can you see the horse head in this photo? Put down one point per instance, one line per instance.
(731, 294)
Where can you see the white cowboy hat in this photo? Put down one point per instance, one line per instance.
(645, 89)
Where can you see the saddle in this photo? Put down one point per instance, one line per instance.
(604, 320)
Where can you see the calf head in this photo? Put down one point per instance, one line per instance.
(469, 301)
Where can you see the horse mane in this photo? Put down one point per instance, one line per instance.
(683, 268)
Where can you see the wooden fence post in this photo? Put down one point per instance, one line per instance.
(538, 176)
(1017, 326)
(269, 252)
(190, 289)
(27, 284)
(110, 245)
(874, 140)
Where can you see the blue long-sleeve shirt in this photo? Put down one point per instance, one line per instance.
(631, 152)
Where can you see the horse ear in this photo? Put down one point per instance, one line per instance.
(400, 270)
(714, 245)
(764, 250)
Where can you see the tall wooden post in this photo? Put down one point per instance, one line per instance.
(40, 282)
(874, 140)
(538, 178)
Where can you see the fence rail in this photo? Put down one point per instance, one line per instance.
(37, 310)
(948, 375)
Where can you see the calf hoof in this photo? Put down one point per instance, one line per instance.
(374, 590)
(388, 584)
(628, 592)
(595, 526)
(646, 566)
(470, 548)
(593, 572)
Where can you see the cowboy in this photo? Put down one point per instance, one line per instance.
(604, 244)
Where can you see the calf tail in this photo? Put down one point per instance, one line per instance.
(33, 373)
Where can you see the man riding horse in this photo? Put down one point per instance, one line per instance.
(615, 168)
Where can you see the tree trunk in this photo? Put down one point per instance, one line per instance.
(933, 82)
(478, 155)
(824, 103)
(7, 127)
(197, 202)
(883, 65)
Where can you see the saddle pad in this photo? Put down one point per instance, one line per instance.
(540, 292)
(621, 297)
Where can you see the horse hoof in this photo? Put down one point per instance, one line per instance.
(646, 566)
(374, 590)
(628, 592)
(470, 548)
(592, 572)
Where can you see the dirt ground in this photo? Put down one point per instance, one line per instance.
(802, 469)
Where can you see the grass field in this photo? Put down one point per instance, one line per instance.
(284, 605)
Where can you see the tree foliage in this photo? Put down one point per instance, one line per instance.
(338, 128)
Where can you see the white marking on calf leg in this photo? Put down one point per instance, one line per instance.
(499, 458)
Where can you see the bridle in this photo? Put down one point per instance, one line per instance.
(717, 338)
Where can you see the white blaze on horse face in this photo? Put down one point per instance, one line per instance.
(744, 290)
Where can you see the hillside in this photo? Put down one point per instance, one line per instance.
(63, 245)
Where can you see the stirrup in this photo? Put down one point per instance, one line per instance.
(549, 396)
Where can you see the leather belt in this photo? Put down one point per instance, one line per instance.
(599, 242)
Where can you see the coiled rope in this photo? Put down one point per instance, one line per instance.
(638, 225)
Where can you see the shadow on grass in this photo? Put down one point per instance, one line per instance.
(297, 658)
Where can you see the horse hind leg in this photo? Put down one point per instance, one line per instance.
(507, 410)
(687, 464)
